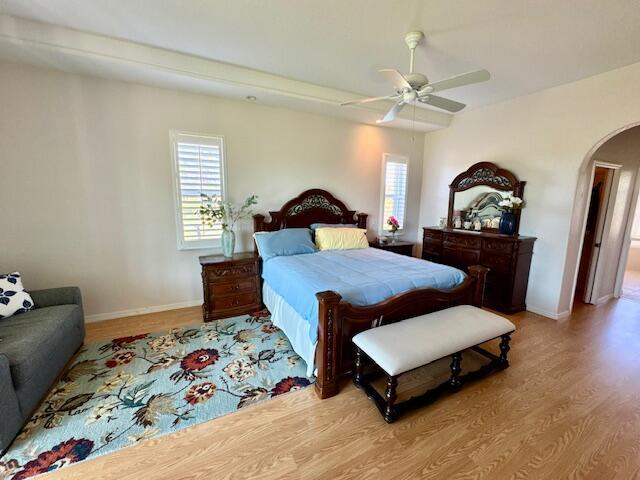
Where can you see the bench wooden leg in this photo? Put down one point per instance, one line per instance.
(390, 395)
(456, 368)
(357, 371)
(503, 362)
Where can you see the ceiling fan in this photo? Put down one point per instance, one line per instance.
(414, 86)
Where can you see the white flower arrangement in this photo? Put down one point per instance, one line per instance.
(511, 203)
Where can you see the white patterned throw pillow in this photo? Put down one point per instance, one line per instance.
(13, 297)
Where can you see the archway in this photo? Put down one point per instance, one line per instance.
(579, 217)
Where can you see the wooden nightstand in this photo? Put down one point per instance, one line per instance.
(231, 285)
(400, 247)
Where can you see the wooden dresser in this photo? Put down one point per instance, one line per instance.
(507, 257)
(231, 285)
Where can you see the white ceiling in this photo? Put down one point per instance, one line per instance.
(526, 45)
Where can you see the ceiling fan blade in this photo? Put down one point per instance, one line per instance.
(457, 81)
(369, 100)
(444, 103)
(399, 82)
(392, 113)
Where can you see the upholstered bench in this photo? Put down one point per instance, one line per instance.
(400, 347)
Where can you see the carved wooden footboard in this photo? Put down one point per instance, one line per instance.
(339, 321)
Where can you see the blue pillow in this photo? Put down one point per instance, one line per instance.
(289, 241)
(315, 226)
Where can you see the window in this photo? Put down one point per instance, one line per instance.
(394, 189)
(198, 168)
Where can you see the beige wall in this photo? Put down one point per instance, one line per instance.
(544, 138)
(86, 186)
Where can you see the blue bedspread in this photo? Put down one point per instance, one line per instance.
(363, 277)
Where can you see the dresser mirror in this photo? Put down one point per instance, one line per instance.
(475, 194)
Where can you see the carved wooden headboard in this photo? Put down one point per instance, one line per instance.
(311, 206)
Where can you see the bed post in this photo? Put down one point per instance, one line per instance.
(258, 223)
(480, 274)
(362, 220)
(329, 338)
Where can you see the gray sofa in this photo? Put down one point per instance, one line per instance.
(34, 348)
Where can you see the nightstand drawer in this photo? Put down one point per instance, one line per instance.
(242, 285)
(235, 301)
(222, 273)
(399, 247)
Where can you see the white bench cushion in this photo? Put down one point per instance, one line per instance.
(403, 346)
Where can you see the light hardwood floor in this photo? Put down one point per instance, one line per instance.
(569, 407)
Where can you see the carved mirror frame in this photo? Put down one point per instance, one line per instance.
(489, 174)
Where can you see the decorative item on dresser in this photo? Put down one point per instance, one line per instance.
(231, 285)
(507, 257)
(400, 247)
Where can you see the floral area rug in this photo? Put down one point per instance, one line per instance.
(133, 388)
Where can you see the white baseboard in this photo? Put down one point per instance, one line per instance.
(140, 311)
(546, 313)
(604, 299)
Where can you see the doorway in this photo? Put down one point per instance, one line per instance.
(596, 221)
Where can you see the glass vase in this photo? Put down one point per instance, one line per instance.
(228, 242)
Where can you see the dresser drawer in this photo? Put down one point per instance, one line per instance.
(222, 273)
(243, 285)
(433, 248)
(432, 235)
(462, 241)
(497, 246)
(460, 258)
(235, 301)
(496, 262)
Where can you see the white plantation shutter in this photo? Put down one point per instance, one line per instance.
(394, 189)
(199, 168)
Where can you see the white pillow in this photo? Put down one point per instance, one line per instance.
(13, 298)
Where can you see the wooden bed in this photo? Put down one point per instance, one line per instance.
(339, 320)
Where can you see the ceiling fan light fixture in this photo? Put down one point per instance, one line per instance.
(414, 86)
